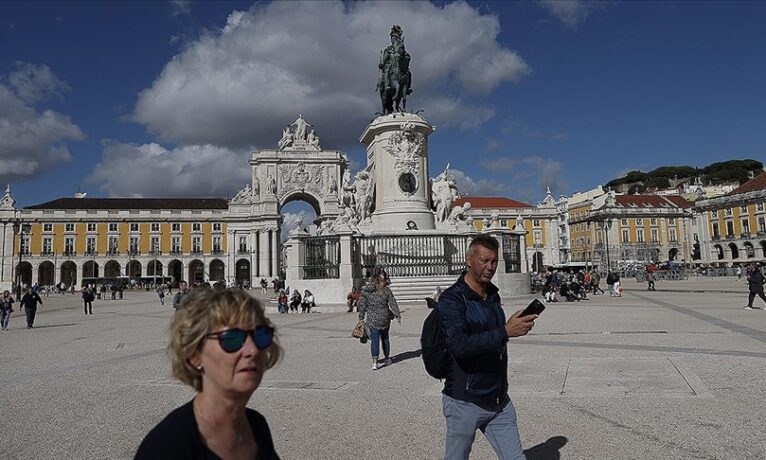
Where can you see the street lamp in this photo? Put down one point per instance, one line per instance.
(21, 229)
(607, 224)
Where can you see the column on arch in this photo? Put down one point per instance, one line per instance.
(6, 274)
(231, 255)
(274, 253)
(263, 254)
(80, 273)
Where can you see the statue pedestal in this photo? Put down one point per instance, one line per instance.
(397, 148)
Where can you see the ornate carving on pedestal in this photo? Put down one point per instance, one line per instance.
(299, 136)
(405, 146)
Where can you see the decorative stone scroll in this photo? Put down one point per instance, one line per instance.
(405, 146)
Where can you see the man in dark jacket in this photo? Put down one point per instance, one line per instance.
(475, 394)
(29, 302)
(755, 281)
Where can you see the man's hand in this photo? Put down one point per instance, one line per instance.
(517, 326)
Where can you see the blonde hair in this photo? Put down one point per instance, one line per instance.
(200, 313)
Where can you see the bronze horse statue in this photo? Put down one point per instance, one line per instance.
(395, 82)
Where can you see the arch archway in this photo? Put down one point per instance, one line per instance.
(196, 271)
(24, 270)
(242, 271)
(217, 270)
(176, 270)
(154, 268)
(749, 250)
(68, 273)
(45, 273)
(718, 251)
(734, 251)
(133, 269)
(672, 254)
(90, 269)
(112, 269)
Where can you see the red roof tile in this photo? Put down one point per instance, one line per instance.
(491, 202)
(756, 183)
(134, 203)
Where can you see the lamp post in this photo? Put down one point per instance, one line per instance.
(20, 228)
(606, 226)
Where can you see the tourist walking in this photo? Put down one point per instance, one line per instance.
(377, 307)
(755, 281)
(183, 289)
(224, 365)
(87, 300)
(739, 272)
(475, 394)
(308, 302)
(29, 302)
(650, 279)
(295, 300)
(161, 294)
(6, 308)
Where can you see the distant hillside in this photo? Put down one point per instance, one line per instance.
(725, 172)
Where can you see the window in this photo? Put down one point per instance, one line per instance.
(716, 233)
(217, 227)
(746, 227)
(671, 220)
(761, 225)
(47, 227)
(91, 227)
(639, 221)
(114, 244)
(242, 244)
(90, 245)
(133, 245)
(625, 236)
(743, 209)
(196, 245)
(155, 244)
(728, 211)
(47, 245)
(729, 228)
(759, 207)
(672, 235)
(714, 214)
(196, 227)
(25, 244)
(69, 245)
(216, 244)
(624, 222)
(640, 235)
(175, 227)
(655, 236)
(69, 227)
(175, 244)
(133, 227)
(504, 222)
(112, 227)
(155, 227)
(535, 222)
(653, 221)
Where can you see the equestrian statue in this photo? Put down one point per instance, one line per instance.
(395, 78)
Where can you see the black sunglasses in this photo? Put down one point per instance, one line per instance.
(232, 340)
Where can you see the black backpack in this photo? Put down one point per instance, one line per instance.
(434, 347)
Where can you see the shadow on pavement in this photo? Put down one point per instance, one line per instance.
(406, 355)
(55, 325)
(549, 450)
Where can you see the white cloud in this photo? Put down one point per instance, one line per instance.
(571, 12)
(240, 85)
(549, 173)
(32, 142)
(187, 171)
(500, 164)
(483, 187)
(290, 221)
(180, 7)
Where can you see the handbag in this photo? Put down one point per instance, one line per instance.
(359, 331)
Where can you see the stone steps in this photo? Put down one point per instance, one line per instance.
(415, 289)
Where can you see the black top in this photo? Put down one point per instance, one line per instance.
(31, 300)
(177, 437)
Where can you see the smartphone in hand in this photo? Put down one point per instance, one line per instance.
(534, 308)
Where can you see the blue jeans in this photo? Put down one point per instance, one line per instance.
(381, 334)
(5, 318)
(499, 427)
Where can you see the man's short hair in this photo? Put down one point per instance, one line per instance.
(485, 240)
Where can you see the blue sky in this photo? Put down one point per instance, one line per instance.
(169, 98)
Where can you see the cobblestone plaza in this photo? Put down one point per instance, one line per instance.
(673, 374)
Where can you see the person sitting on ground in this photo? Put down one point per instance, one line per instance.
(221, 344)
(566, 292)
(282, 302)
(352, 299)
(295, 300)
(308, 302)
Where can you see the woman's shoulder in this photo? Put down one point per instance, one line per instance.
(167, 439)
(262, 435)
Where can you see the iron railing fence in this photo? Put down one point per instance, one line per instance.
(409, 255)
(322, 257)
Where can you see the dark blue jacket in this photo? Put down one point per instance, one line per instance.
(474, 329)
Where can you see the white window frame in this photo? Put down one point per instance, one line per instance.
(47, 227)
(196, 227)
(69, 227)
(155, 227)
(113, 227)
(175, 227)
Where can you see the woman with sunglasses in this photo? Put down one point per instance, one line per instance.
(221, 344)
